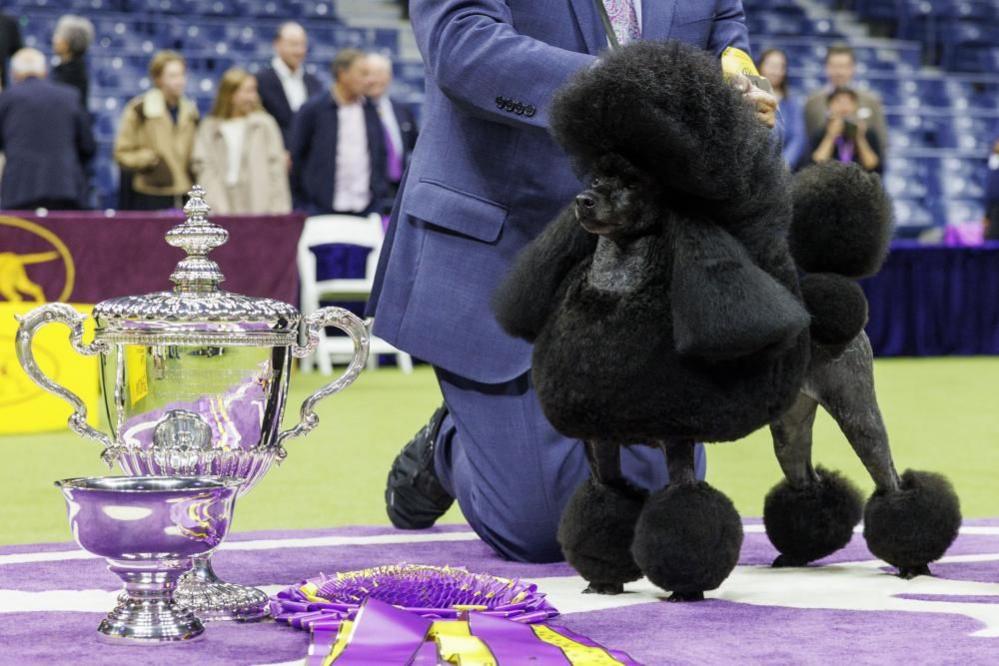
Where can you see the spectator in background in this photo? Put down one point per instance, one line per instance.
(992, 195)
(790, 119)
(72, 37)
(156, 136)
(841, 65)
(398, 121)
(285, 85)
(10, 43)
(338, 145)
(46, 137)
(846, 137)
(239, 156)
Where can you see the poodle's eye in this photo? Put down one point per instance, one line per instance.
(595, 182)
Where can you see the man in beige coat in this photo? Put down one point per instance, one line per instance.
(840, 68)
(156, 136)
(239, 155)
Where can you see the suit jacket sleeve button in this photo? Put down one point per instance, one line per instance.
(530, 110)
(500, 102)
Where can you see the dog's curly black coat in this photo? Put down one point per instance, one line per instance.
(668, 358)
(665, 307)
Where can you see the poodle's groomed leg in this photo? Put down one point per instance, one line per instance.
(811, 513)
(688, 536)
(598, 523)
(910, 520)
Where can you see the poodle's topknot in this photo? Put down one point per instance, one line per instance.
(842, 220)
(665, 107)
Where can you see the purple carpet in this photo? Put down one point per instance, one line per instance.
(52, 597)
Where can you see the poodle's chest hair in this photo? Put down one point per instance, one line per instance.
(618, 268)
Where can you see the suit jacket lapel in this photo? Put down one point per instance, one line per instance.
(589, 25)
(657, 19)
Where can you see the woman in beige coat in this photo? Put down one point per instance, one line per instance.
(156, 135)
(239, 155)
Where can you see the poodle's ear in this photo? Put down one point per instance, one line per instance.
(724, 305)
(842, 220)
(530, 291)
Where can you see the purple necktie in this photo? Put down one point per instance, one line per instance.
(624, 19)
(394, 158)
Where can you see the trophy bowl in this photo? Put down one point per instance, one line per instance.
(194, 382)
(148, 529)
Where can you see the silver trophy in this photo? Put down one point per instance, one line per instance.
(194, 382)
(148, 528)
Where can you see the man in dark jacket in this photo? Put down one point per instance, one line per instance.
(46, 136)
(10, 43)
(285, 85)
(398, 121)
(338, 145)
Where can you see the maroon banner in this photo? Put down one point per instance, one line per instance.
(87, 257)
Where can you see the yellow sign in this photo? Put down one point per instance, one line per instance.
(24, 407)
(16, 284)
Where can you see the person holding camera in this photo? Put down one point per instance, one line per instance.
(846, 137)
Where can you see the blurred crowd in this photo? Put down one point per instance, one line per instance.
(844, 122)
(272, 142)
(281, 139)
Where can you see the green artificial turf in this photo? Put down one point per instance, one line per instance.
(939, 413)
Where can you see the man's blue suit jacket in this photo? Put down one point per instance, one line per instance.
(486, 177)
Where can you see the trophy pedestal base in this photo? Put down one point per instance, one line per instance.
(212, 599)
(147, 612)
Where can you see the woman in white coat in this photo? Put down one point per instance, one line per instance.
(239, 155)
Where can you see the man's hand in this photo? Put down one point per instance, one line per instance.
(763, 102)
(835, 127)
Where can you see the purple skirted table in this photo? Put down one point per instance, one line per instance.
(935, 301)
(87, 256)
(52, 597)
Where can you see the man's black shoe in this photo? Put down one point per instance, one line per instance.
(414, 497)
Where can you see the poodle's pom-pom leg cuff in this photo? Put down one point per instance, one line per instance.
(596, 531)
(914, 525)
(806, 524)
(687, 539)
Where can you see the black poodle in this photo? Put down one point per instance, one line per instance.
(665, 308)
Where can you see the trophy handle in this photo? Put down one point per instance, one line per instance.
(26, 330)
(350, 324)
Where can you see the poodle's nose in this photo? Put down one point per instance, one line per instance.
(585, 201)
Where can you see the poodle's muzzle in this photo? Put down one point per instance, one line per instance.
(592, 212)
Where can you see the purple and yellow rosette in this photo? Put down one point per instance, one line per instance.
(384, 634)
(433, 592)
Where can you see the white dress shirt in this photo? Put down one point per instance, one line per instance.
(352, 188)
(233, 132)
(292, 82)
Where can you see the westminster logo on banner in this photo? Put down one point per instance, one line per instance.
(29, 252)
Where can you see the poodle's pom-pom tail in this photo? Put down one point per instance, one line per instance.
(842, 220)
(688, 538)
(838, 308)
(915, 525)
(666, 108)
(596, 531)
(806, 524)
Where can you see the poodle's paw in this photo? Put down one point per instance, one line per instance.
(596, 530)
(687, 539)
(908, 573)
(681, 597)
(785, 562)
(604, 588)
(806, 524)
(915, 525)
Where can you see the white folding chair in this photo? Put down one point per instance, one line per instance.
(349, 230)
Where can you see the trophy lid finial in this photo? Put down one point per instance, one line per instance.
(197, 236)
